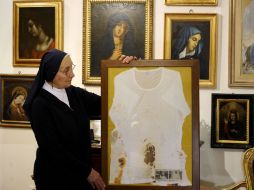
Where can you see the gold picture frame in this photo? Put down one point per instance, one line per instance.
(37, 27)
(232, 123)
(14, 89)
(241, 70)
(125, 112)
(192, 2)
(98, 43)
(203, 29)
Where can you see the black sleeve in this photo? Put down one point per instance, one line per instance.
(91, 101)
(47, 138)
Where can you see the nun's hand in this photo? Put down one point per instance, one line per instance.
(96, 181)
(127, 59)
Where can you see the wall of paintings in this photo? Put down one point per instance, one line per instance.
(222, 73)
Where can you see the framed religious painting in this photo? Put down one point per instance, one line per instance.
(232, 123)
(126, 29)
(193, 36)
(150, 118)
(14, 90)
(37, 28)
(192, 2)
(241, 43)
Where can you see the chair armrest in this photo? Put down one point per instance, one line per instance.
(236, 186)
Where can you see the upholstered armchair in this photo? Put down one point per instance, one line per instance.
(248, 162)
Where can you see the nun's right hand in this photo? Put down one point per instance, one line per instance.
(127, 59)
(96, 180)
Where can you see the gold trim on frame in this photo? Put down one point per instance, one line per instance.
(192, 2)
(22, 85)
(239, 133)
(247, 101)
(17, 5)
(212, 19)
(236, 77)
(87, 12)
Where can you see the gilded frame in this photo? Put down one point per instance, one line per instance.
(188, 70)
(232, 124)
(248, 160)
(207, 24)
(192, 2)
(12, 87)
(97, 45)
(240, 71)
(29, 15)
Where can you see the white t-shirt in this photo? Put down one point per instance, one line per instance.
(148, 110)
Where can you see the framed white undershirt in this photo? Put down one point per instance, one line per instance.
(150, 103)
(59, 93)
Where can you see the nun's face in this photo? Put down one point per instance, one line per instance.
(65, 73)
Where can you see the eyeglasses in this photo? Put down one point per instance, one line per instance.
(68, 70)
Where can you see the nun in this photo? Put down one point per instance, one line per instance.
(59, 115)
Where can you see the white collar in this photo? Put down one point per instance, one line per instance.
(59, 93)
(183, 53)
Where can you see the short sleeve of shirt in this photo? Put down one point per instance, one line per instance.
(175, 95)
(116, 111)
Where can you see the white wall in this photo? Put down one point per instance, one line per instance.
(17, 146)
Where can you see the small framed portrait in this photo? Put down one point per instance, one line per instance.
(192, 2)
(232, 123)
(140, 150)
(241, 43)
(193, 36)
(14, 90)
(126, 29)
(37, 28)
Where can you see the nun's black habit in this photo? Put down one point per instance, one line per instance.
(62, 132)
